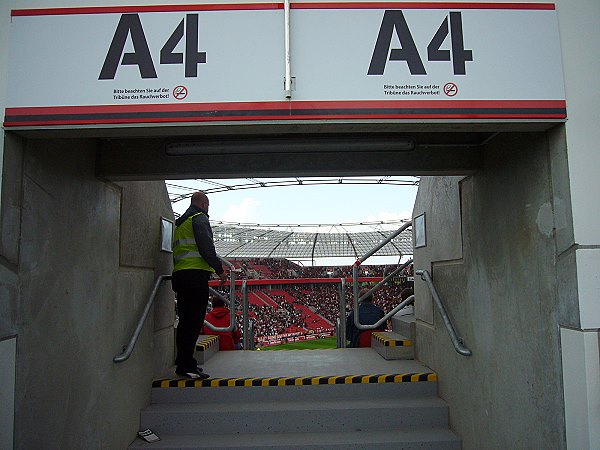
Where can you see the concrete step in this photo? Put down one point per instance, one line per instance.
(189, 391)
(297, 417)
(312, 399)
(405, 325)
(413, 439)
(392, 345)
(207, 346)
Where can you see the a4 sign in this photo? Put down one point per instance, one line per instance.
(393, 21)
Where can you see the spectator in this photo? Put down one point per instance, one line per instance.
(220, 316)
(194, 262)
(368, 314)
(407, 310)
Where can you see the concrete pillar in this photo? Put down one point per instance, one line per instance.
(581, 375)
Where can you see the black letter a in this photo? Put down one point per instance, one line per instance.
(129, 23)
(394, 20)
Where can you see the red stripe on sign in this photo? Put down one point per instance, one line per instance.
(166, 107)
(291, 105)
(146, 120)
(272, 6)
(450, 117)
(424, 5)
(426, 116)
(285, 110)
(143, 9)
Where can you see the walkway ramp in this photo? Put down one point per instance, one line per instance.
(301, 399)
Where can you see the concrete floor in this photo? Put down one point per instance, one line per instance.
(306, 363)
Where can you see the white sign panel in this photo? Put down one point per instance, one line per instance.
(369, 61)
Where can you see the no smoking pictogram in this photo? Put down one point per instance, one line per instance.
(180, 92)
(450, 89)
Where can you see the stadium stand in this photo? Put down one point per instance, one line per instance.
(289, 301)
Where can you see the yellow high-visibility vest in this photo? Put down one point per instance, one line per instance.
(185, 250)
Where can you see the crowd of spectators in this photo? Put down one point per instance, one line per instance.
(281, 268)
(322, 299)
(269, 321)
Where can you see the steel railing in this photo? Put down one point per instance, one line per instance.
(457, 342)
(128, 348)
(356, 300)
(230, 302)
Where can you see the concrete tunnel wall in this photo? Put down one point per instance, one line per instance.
(79, 259)
(494, 243)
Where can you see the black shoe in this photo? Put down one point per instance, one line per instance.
(194, 373)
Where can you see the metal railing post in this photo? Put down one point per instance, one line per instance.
(457, 342)
(355, 293)
(230, 302)
(245, 327)
(341, 332)
(251, 335)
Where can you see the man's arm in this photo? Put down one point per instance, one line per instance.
(204, 241)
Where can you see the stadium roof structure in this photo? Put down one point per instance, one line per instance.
(301, 241)
(237, 241)
(179, 191)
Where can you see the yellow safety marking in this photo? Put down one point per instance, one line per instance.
(208, 342)
(297, 381)
(390, 342)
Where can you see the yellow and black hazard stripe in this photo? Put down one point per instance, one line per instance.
(390, 342)
(298, 381)
(207, 343)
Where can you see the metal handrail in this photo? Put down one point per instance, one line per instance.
(230, 302)
(128, 349)
(457, 342)
(383, 243)
(356, 300)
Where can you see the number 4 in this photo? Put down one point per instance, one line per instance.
(459, 54)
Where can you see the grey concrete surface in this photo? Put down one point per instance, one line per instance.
(418, 439)
(294, 416)
(406, 415)
(74, 282)
(304, 363)
(502, 296)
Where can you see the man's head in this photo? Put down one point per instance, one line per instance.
(217, 302)
(200, 200)
(405, 293)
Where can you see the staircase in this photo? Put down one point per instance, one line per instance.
(303, 399)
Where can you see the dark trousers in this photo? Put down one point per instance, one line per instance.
(191, 287)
